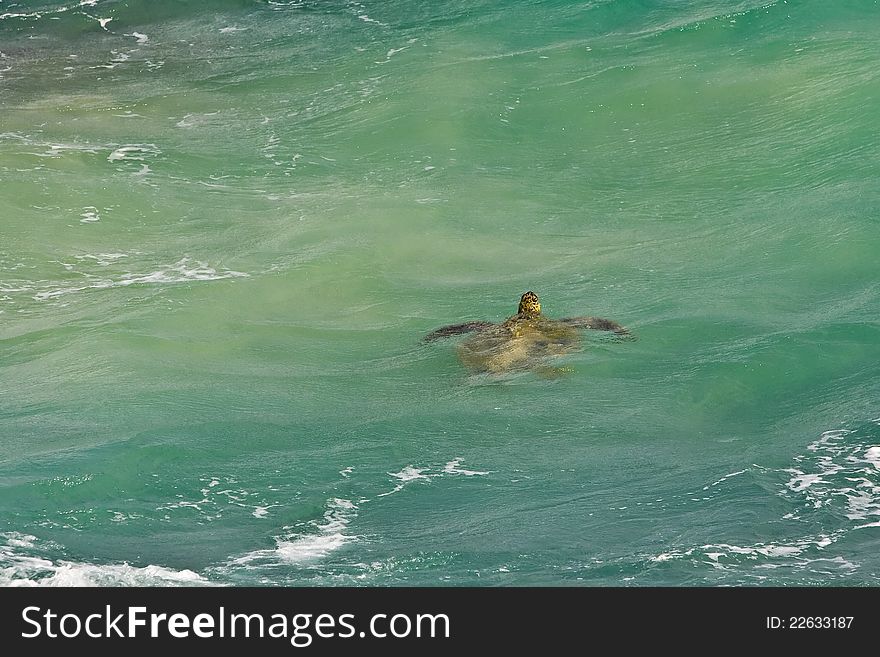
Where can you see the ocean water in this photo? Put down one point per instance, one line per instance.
(225, 227)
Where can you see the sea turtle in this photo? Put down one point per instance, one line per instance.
(524, 340)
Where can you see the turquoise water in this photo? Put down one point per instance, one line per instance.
(225, 228)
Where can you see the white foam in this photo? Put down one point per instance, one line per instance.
(132, 152)
(860, 505)
(838, 471)
(837, 561)
(17, 539)
(20, 567)
(67, 573)
(828, 439)
(780, 550)
(332, 532)
(409, 473)
(180, 272)
(802, 481)
(452, 468)
(55, 150)
(724, 555)
(872, 456)
(33, 14)
(724, 478)
(184, 504)
(304, 548)
(89, 215)
(101, 21)
(310, 548)
(194, 120)
(141, 38)
(394, 51)
(366, 19)
(102, 259)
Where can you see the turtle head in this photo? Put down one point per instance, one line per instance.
(529, 304)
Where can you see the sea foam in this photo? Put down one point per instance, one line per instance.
(329, 535)
(183, 271)
(22, 565)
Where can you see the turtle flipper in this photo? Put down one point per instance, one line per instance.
(597, 324)
(456, 329)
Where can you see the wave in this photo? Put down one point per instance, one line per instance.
(800, 555)
(311, 542)
(103, 12)
(297, 548)
(838, 476)
(22, 565)
(833, 494)
(411, 473)
(183, 271)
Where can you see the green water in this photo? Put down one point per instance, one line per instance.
(225, 228)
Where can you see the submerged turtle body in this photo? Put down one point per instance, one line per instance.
(523, 341)
(518, 345)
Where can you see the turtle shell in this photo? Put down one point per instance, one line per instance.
(517, 344)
